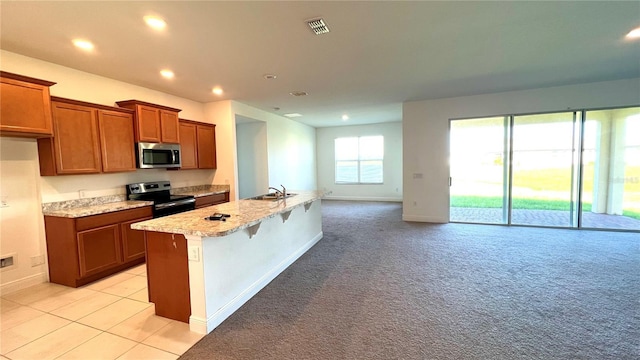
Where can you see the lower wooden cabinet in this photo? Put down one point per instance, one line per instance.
(132, 241)
(99, 249)
(210, 200)
(88, 248)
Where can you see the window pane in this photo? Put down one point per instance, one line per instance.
(479, 169)
(347, 171)
(371, 171)
(371, 148)
(542, 185)
(346, 148)
(611, 175)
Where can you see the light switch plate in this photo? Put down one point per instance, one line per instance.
(194, 253)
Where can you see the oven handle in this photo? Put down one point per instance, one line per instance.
(175, 203)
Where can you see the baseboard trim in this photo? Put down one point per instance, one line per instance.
(363, 198)
(205, 327)
(23, 283)
(427, 219)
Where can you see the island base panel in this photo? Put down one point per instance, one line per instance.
(168, 275)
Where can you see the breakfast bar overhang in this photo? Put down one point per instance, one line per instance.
(200, 271)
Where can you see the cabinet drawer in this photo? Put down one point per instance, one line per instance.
(94, 221)
(211, 200)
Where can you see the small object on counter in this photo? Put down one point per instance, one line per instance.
(218, 216)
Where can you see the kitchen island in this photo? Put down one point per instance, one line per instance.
(200, 271)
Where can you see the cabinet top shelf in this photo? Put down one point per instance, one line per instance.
(131, 103)
(8, 75)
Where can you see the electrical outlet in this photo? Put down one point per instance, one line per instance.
(194, 253)
(82, 194)
(4, 201)
(37, 260)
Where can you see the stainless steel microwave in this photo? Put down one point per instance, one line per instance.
(152, 155)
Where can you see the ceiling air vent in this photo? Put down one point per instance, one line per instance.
(298, 93)
(318, 26)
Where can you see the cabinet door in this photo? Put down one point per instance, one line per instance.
(188, 149)
(25, 108)
(99, 249)
(148, 124)
(116, 141)
(169, 127)
(132, 241)
(206, 147)
(75, 139)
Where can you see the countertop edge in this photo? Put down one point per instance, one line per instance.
(97, 209)
(156, 228)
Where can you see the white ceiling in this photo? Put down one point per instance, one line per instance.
(377, 54)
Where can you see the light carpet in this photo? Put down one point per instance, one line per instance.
(376, 287)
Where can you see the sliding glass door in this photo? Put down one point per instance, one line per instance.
(611, 169)
(543, 176)
(478, 181)
(570, 169)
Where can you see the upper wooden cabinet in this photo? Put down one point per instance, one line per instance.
(197, 145)
(25, 107)
(188, 145)
(87, 138)
(116, 141)
(154, 123)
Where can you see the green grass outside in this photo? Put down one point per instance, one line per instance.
(519, 203)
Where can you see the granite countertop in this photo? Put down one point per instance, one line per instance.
(244, 214)
(95, 209)
(201, 190)
(110, 203)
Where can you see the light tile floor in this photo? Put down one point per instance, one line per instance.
(108, 319)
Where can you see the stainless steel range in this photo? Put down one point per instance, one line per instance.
(160, 193)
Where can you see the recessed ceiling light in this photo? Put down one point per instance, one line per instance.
(293, 115)
(217, 90)
(634, 34)
(155, 22)
(270, 76)
(167, 74)
(83, 44)
(345, 117)
(298, 93)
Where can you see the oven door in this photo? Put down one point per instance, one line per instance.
(173, 207)
(152, 155)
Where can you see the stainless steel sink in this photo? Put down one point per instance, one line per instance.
(271, 196)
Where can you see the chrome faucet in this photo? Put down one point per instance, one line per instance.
(282, 193)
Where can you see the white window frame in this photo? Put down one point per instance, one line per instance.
(358, 161)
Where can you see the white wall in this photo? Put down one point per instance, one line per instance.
(426, 133)
(22, 225)
(291, 149)
(253, 170)
(391, 190)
